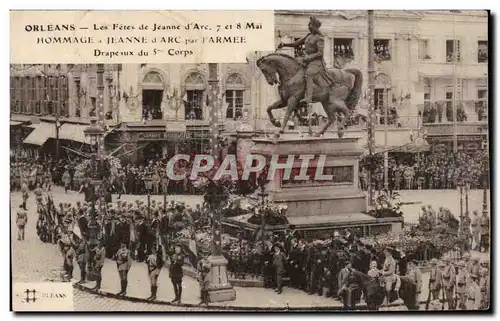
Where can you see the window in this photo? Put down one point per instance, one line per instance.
(343, 48)
(452, 50)
(27, 94)
(382, 49)
(194, 104)
(423, 49)
(12, 92)
(78, 98)
(153, 78)
(235, 88)
(195, 88)
(44, 96)
(449, 99)
(93, 102)
(482, 51)
(427, 97)
(33, 95)
(234, 100)
(482, 103)
(38, 87)
(298, 51)
(379, 98)
(64, 96)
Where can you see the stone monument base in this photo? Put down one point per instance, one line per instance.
(316, 226)
(220, 289)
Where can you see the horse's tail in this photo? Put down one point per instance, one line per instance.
(355, 93)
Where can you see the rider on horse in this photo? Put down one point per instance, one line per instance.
(389, 273)
(313, 62)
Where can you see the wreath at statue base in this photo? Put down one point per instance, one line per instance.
(273, 220)
(383, 213)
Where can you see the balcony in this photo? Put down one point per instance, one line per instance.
(463, 128)
(432, 69)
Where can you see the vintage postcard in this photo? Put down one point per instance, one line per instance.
(287, 160)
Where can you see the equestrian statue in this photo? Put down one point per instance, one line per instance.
(307, 81)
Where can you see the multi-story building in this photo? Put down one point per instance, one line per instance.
(426, 63)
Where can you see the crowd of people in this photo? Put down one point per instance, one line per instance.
(429, 171)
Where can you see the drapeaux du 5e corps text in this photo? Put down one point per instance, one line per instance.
(288, 160)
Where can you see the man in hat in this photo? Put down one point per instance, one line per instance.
(314, 45)
(203, 268)
(465, 229)
(82, 258)
(475, 266)
(99, 254)
(474, 297)
(123, 264)
(449, 278)
(293, 262)
(485, 232)
(484, 285)
(435, 280)
(68, 256)
(155, 263)
(279, 263)
(476, 229)
(389, 272)
(176, 272)
(415, 276)
(461, 284)
(21, 221)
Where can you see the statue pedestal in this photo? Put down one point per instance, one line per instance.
(316, 207)
(219, 290)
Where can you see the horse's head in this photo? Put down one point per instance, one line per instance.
(278, 67)
(268, 70)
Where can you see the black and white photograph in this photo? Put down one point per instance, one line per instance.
(347, 170)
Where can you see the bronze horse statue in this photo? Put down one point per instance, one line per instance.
(342, 97)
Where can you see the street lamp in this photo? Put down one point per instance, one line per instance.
(95, 133)
(460, 189)
(165, 187)
(148, 182)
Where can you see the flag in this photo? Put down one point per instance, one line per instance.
(185, 97)
(76, 231)
(192, 246)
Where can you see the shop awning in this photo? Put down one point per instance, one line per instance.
(41, 133)
(74, 132)
(15, 123)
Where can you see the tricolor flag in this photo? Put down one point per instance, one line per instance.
(77, 232)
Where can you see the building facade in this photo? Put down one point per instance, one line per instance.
(427, 62)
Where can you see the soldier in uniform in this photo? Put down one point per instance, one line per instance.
(449, 278)
(474, 267)
(415, 276)
(485, 232)
(203, 269)
(484, 285)
(461, 284)
(21, 221)
(24, 191)
(279, 263)
(474, 297)
(313, 61)
(389, 272)
(99, 253)
(82, 258)
(155, 263)
(176, 273)
(475, 229)
(465, 227)
(123, 263)
(293, 262)
(435, 281)
(69, 255)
